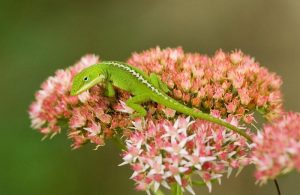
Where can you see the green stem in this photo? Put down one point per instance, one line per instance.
(198, 183)
(202, 183)
(119, 142)
(158, 192)
(176, 189)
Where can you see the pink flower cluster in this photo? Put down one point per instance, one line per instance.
(166, 148)
(209, 84)
(277, 148)
(162, 152)
(230, 83)
(85, 116)
(52, 100)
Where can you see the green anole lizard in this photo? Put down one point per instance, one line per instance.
(143, 88)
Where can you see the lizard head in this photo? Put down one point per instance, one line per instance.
(86, 79)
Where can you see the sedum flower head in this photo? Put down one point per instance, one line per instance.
(88, 117)
(162, 153)
(231, 83)
(227, 85)
(52, 101)
(165, 147)
(277, 148)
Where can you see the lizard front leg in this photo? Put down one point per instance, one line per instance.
(110, 91)
(135, 102)
(156, 81)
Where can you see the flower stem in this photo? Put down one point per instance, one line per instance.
(276, 183)
(118, 141)
(277, 187)
(158, 192)
(176, 189)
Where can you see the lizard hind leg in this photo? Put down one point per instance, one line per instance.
(157, 82)
(135, 103)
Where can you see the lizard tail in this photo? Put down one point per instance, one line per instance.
(208, 117)
(173, 104)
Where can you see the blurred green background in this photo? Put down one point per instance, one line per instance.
(37, 37)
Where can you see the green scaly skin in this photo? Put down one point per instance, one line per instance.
(143, 88)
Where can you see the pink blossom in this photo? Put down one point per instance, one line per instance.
(236, 57)
(86, 115)
(277, 148)
(165, 147)
(173, 152)
(205, 82)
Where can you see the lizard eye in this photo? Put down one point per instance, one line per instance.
(86, 78)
